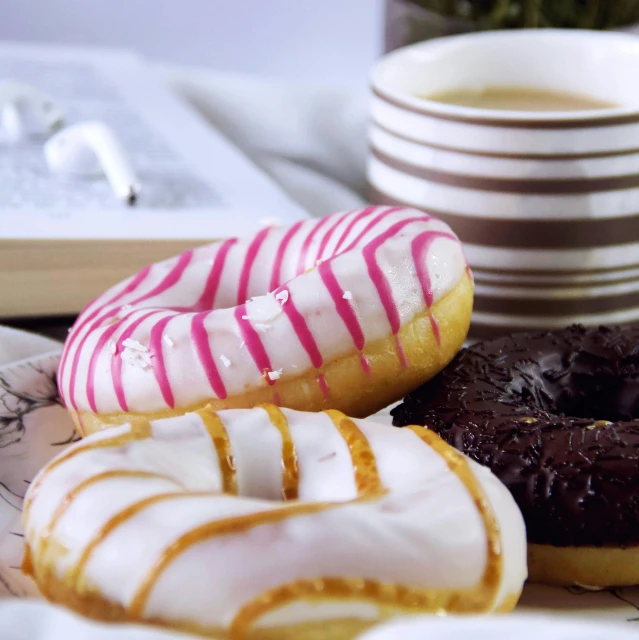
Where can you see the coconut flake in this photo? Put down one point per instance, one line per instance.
(262, 308)
(275, 375)
(126, 307)
(112, 347)
(135, 353)
(282, 296)
(260, 326)
(134, 344)
(271, 222)
(225, 361)
(347, 295)
(167, 340)
(137, 358)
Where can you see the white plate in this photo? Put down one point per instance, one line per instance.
(34, 427)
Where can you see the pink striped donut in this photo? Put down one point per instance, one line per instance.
(348, 312)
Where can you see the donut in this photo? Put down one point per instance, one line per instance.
(552, 414)
(347, 312)
(271, 523)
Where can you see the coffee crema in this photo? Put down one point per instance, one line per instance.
(512, 98)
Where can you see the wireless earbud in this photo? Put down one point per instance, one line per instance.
(25, 111)
(89, 148)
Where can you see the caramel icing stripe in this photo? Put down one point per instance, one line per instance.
(389, 596)
(220, 438)
(475, 600)
(486, 592)
(367, 478)
(140, 430)
(76, 573)
(214, 529)
(290, 469)
(67, 500)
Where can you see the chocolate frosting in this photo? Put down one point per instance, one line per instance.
(553, 416)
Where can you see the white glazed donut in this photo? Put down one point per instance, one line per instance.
(180, 522)
(351, 312)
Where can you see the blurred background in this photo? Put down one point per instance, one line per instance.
(332, 41)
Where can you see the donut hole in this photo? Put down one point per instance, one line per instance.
(587, 386)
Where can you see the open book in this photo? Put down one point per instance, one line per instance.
(65, 240)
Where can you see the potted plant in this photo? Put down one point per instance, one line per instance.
(409, 21)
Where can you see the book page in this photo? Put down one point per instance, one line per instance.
(195, 184)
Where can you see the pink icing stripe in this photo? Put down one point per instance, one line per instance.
(302, 332)
(167, 282)
(400, 352)
(372, 223)
(323, 385)
(326, 239)
(435, 327)
(279, 256)
(201, 342)
(301, 263)
(254, 343)
(377, 275)
(157, 360)
(207, 298)
(419, 250)
(116, 360)
(342, 306)
(362, 214)
(132, 286)
(251, 254)
(90, 388)
(171, 278)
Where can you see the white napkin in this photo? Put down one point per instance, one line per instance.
(32, 620)
(521, 627)
(311, 139)
(18, 345)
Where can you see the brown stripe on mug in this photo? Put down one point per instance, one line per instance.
(555, 307)
(555, 284)
(490, 331)
(530, 186)
(480, 331)
(510, 233)
(554, 272)
(503, 155)
(512, 123)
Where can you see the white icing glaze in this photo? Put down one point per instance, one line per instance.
(173, 336)
(423, 530)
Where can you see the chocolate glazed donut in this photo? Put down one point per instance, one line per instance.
(556, 417)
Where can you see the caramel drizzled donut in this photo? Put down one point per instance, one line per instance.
(181, 522)
(554, 416)
(349, 312)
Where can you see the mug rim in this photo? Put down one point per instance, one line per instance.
(497, 117)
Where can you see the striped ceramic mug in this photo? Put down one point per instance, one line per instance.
(547, 203)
